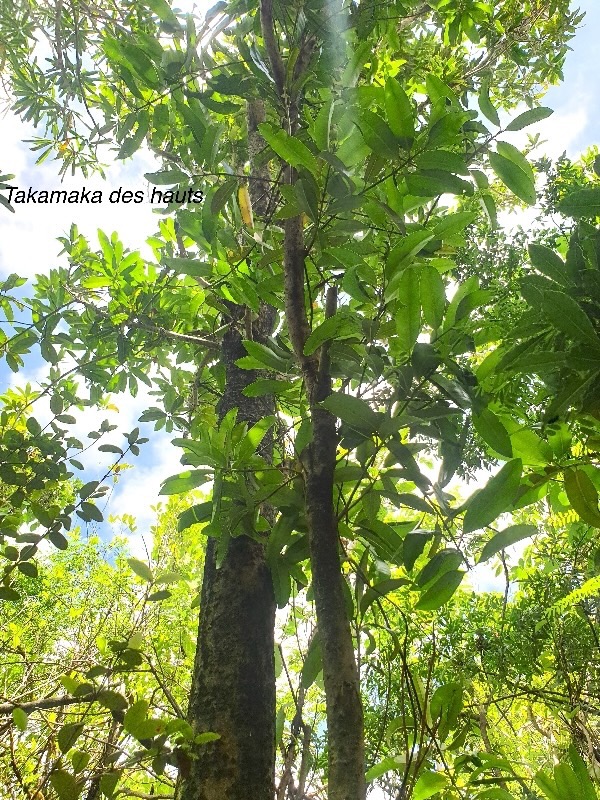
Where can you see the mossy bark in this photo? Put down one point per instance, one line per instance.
(233, 683)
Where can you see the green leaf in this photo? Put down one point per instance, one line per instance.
(163, 11)
(110, 448)
(155, 597)
(303, 436)
(493, 432)
(567, 316)
(80, 760)
(387, 764)
(433, 295)
(33, 426)
(503, 539)
(166, 578)
(438, 90)
(429, 783)
(583, 203)
(289, 148)
(377, 134)
(489, 206)
(485, 104)
(264, 386)
(91, 511)
(20, 718)
(444, 160)
(131, 56)
(130, 145)
(495, 498)
(548, 263)
(451, 224)
(353, 411)
(399, 111)
(114, 701)
(583, 496)
(185, 481)
(27, 568)
(194, 120)
(313, 663)
(307, 198)
(4, 202)
(136, 714)
(404, 252)
(514, 178)
(408, 313)
(566, 781)
(168, 177)
(218, 106)
(548, 786)
(442, 562)
(433, 182)
(222, 195)
(441, 591)
(266, 356)
(140, 568)
(68, 735)
(188, 266)
(282, 582)
(412, 547)
(206, 736)
(254, 437)
(385, 540)
(88, 489)
(65, 785)
(513, 154)
(529, 118)
(342, 325)
(200, 512)
(579, 767)
(58, 540)
(446, 704)
(108, 783)
(380, 590)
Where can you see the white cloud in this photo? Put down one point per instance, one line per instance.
(138, 490)
(562, 130)
(29, 236)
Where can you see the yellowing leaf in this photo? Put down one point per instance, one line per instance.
(245, 206)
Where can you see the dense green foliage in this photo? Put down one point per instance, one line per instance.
(363, 216)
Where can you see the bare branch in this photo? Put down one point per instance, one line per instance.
(48, 702)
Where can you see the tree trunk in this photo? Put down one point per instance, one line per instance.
(346, 779)
(233, 683)
(340, 674)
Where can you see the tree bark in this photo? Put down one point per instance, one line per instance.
(233, 683)
(345, 736)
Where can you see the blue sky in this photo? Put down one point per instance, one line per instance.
(28, 244)
(578, 98)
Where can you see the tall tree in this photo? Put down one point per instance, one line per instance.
(364, 113)
(233, 684)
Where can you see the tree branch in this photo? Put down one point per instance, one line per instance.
(299, 329)
(48, 702)
(268, 34)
